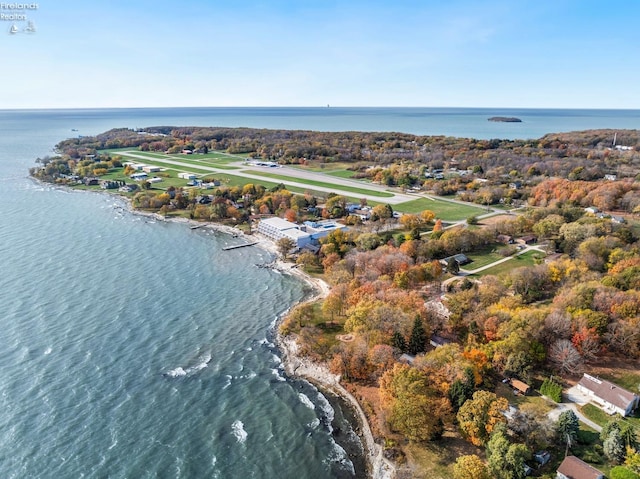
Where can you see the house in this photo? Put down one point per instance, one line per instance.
(128, 188)
(186, 176)
(155, 179)
(437, 341)
(406, 358)
(91, 181)
(504, 239)
(610, 177)
(110, 184)
(611, 397)
(462, 259)
(574, 468)
(520, 387)
(527, 239)
(139, 176)
(150, 169)
(617, 219)
(591, 210)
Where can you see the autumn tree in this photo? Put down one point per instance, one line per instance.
(479, 415)
(470, 467)
(565, 357)
(415, 406)
(285, 245)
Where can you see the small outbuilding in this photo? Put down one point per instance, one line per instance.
(520, 387)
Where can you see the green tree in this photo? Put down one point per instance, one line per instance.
(453, 266)
(613, 447)
(505, 460)
(567, 427)
(418, 338)
(551, 389)
(398, 341)
(470, 467)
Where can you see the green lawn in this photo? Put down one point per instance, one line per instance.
(483, 257)
(596, 414)
(351, 189)
(526, 259)
(444, 210)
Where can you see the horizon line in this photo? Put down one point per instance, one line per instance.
(327, 107)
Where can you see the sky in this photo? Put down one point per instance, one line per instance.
(447, 53)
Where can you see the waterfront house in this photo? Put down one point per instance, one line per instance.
(610, 397)
(575, 468)
(91, 181)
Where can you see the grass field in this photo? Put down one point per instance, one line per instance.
(483, 257)
(163, 160)
(323, 184)
(444, 210)
(526, 259)
(341, 173)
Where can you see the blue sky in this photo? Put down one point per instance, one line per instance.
(456, 53)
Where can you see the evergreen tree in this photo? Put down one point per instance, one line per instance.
(567, 426)
(418, 339)
(453, 266)
(398, 342)
(613, 447)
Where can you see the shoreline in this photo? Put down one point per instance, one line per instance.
(295, 366)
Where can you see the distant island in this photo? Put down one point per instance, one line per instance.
(506, 119)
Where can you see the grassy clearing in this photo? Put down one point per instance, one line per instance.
(444, 210)
(596, 414)
(483, 257)
(323, 184)
(526, 259)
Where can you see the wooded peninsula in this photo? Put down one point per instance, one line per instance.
(482, 291)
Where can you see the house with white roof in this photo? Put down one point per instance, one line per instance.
(610, 397)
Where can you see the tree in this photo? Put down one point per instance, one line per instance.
(453, 266)
(398, 341)
(565, 357)
(461, 390)
(567, 427)
(479, 415)
(284, 246)
(415, 407)
(470, 467)
(418, 338)
(551, 389)
(613, 447)
(505, 460)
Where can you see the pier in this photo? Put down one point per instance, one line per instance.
(236, 246)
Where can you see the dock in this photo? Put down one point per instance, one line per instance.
(236, 246)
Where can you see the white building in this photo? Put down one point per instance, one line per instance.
(302, 235)
(150, 169)
(612, 398)
(155, 179)
(187, 176)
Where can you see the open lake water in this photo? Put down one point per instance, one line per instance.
(132, 348)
